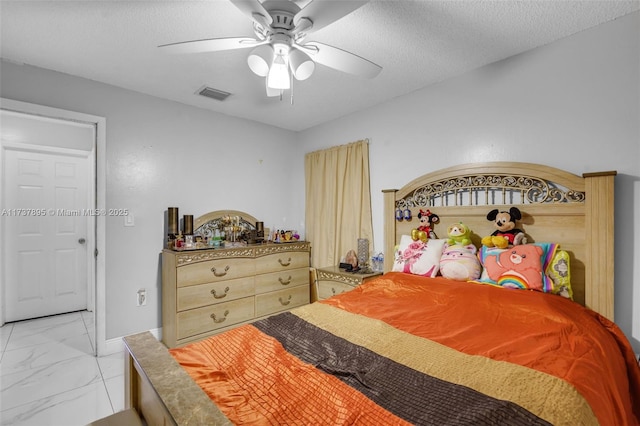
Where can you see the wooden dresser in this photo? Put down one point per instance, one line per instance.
(205, 292)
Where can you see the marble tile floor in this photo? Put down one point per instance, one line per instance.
(49, 375)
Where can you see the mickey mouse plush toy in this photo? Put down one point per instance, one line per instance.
(506, 233)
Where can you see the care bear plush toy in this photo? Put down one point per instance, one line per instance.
(506, 233)
(516, 267)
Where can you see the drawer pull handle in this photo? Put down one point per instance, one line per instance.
(220, 296)
(283, 263)
(284, 302)
(221, 274)
(283, 282)
(219, 320)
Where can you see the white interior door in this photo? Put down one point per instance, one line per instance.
(47, 223)
(46, 215)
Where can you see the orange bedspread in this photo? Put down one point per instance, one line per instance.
(541, 331)
(380, 353)
(254, 381)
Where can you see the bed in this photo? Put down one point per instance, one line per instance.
(411, 349)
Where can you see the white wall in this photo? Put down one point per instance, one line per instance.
(573, 104)
(161, 154)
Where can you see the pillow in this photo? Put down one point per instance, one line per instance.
(559, 272)
(417, 257)
(460, 262)
(521, 266)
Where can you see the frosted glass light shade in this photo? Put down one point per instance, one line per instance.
(272, 92)
(301, 64)
(278, 77)
(260, 58)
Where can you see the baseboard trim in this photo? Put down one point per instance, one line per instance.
(116, 345)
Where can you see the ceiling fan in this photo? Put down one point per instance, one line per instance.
(279, 52)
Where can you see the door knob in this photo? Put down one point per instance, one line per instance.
(82, 241)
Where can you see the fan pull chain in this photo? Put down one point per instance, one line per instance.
(291, 85)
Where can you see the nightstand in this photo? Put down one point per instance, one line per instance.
(332, 280)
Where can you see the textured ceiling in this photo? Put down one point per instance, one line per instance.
(416, 42)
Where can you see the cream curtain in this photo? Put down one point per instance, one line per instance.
(338, 201)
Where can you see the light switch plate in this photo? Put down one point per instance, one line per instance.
(129, 220)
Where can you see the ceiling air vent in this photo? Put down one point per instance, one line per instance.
(212, 93)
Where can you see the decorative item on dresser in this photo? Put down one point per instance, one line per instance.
(333, 280)
(208, 291)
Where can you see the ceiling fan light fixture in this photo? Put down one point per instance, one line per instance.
(260, 59)
(280, 47)
(301, 65)
(278, 77)
(272, 93)
(280, 26)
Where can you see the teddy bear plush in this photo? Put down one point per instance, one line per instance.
(459, 233)
(425, 230)
(506, 233)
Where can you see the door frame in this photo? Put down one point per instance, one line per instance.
(98, 287)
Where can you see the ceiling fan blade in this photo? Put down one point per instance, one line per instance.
(341, 60)
(325, 12)
(211, 45)
(255, 10)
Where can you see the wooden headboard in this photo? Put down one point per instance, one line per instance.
(557, 206)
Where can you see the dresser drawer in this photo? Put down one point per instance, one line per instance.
(212, 317)
(214, 270)
(269, 303)
(327, 289)
(282, 280)
(282, 261)
(196, 296)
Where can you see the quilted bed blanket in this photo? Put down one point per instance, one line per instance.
(403, 349)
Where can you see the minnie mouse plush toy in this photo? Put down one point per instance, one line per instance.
(425, 230)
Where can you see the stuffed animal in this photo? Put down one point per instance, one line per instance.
(506, 233)
(459, 233)
(517, 267)
(425, 230)
(460, 263)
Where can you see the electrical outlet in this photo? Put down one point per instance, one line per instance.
(141, 297)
